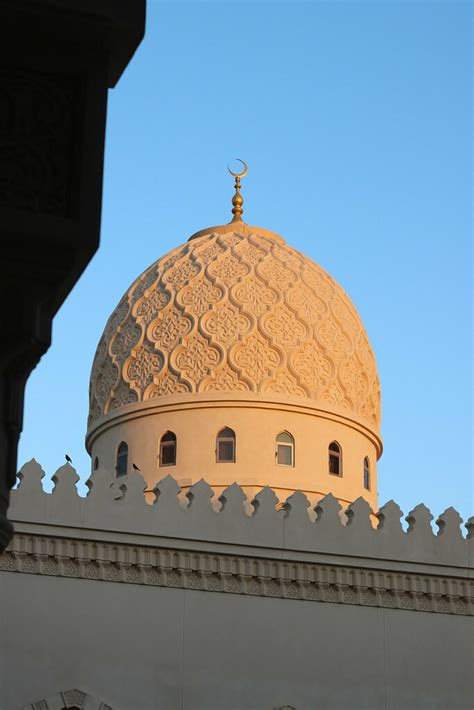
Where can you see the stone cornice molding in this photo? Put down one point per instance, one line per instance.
(119, 506)
(238, 574)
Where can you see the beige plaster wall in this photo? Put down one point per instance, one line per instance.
(153, 648)
(164, 607)
(256, 425)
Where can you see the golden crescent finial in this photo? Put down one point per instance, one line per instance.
(244, 171)
(238, 200)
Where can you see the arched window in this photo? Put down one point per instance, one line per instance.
(367, 473)
(285, 449)
(121, 467)
(225, 446)
(96, 463)
(335, 459)
(168, 449)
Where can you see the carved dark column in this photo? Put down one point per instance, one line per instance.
(58, 58)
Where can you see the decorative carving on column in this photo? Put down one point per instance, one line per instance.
(37, 149)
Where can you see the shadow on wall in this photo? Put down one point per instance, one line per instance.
(120, 504)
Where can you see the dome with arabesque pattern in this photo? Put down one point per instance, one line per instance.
(236, 310)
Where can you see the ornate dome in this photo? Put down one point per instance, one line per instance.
(236, 310)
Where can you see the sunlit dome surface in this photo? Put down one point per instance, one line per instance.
(236, 310)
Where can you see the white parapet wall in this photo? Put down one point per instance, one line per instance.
(290, 525)
(260, 573)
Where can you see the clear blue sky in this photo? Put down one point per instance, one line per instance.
(355, 119)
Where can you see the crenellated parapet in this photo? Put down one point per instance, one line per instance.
(195, 539)
(126, 506)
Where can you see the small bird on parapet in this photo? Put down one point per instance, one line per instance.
(135, 467)
(68, 458)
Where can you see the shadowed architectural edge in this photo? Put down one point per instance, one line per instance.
(57, 62)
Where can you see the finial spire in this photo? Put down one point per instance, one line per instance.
(238, 200)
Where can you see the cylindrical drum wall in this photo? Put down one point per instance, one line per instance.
(261, 456)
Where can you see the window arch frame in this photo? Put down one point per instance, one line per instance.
(165, 444)
(120, 457)
(281, 443)
(229, 438)
(335, 454)
(367, 473)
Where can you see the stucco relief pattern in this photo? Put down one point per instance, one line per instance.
(256, 576)
(74, 699)
(232, 312)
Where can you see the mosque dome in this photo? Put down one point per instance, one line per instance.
(236, 348)
(236, 310)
